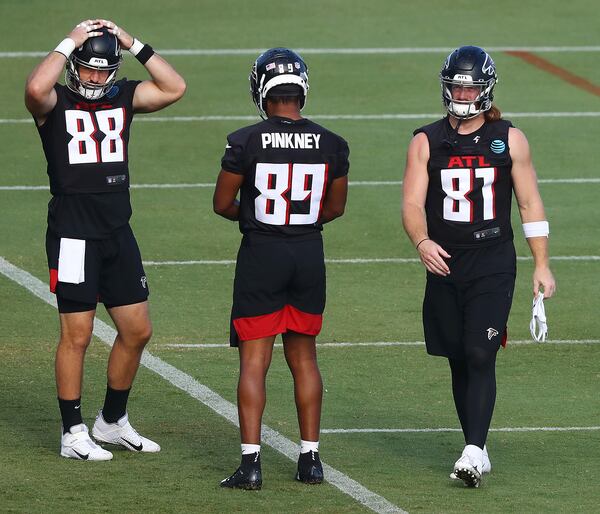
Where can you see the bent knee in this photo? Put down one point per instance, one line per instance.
(76, 341)
(142, 335)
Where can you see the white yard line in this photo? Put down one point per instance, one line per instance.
(428, 430)
(386, 343)
(349, 117)
(334, 51)
(390, 260)
(208, 397)
(352, 183)
(355, 183)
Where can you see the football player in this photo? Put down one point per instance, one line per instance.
(460, 174)
(292, 178)
(92, 252)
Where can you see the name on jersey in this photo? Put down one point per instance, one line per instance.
(290, 140)
(467, 161)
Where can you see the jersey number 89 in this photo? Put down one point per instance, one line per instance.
(304, 182)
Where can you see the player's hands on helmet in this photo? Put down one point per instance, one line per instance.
(125, 40)
(85, 30)
(543, 280)
(432, 256)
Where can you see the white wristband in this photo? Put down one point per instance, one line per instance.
(66, 47)
(536, 229)
(135, 48)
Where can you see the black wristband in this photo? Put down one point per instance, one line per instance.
(417, 247)
(144, 54)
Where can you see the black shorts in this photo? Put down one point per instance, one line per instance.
(279, 286)
(458, 315)
(113, 273)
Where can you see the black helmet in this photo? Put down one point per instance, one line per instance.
(468, 66)
(282, 68)
(98, 53)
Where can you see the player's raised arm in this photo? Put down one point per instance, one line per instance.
(40, 97)
(166, 85)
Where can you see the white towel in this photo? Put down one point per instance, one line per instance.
(538, 325)
(71, 261)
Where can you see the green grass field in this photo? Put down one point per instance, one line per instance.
(367, 387)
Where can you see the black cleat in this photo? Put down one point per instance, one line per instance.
(310, 470)
(248, 476)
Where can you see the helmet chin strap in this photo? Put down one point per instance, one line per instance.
(451, 142)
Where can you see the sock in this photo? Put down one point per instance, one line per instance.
(475, 453)
(250, 455)
(307, 446)
(70, 412)
(249, 449)
(115, 404)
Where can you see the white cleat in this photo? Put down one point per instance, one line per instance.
(123, 434)
(76, 444)
(469, 468)
(485, 468)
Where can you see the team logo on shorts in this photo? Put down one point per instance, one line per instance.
(144, 281)
(491, 332)
(498, 146)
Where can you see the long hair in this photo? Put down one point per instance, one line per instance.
(494, 114)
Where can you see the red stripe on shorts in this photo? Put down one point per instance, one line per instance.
(53, 279)
(279, 322)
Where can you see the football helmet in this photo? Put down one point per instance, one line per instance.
(98, 53)
(468, 66)
(278, 67)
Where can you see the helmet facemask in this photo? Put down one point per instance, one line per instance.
(89, 90)
(467, 109)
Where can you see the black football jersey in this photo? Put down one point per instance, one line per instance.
(470, 187)
(287, 167)
(86, 147)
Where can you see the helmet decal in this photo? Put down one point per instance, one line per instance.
(489, 68)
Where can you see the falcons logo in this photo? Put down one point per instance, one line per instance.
(491, 332)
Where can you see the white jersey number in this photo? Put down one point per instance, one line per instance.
(457, 183)
(305, 182)
(83, 126)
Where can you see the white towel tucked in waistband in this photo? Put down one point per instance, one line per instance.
(71, 261)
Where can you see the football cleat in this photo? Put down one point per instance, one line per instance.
(123, 434)
(248, 476)
(310, 469)
(485, 468)
(469, 467)
(76, 444)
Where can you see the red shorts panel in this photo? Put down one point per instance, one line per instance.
(279, 322)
